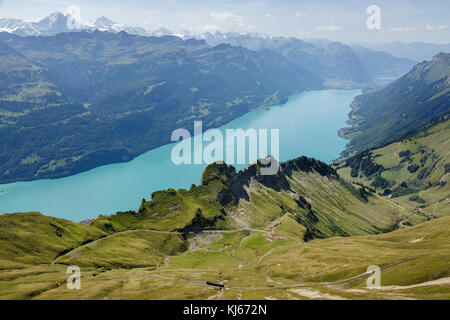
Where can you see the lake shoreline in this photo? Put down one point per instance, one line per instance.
(123, 156)
(308, 122)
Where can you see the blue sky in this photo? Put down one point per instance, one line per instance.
(401, 20)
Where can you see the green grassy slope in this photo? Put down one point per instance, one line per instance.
(129, 249)
(242, 229)
(253, 268)
(324, 205)
(32, 238)
(412, 171)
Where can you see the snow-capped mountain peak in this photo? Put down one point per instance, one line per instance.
(58, 22)
(103, 22)
(162, 32)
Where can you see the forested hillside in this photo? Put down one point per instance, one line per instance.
(420, 97)
(74, 101)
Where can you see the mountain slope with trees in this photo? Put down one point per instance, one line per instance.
(412, 171)
(404, 106)
(119, 95)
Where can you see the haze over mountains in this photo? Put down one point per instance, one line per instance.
(418, 51)
(329, 59)
(337, 63)
(58, 22)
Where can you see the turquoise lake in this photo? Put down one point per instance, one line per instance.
(308, 124)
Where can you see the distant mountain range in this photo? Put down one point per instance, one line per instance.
(338, 64)
(418, 51)
(58, 22)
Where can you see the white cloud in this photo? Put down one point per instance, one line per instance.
(403, 29)
(75, 12)
(231, 18)
(210, 28)
(202, 28)
(300, 14)
(227, 16)
(430, 27)
(330, 28)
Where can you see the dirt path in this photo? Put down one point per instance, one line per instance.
(315, 294)
(401, 223)
(423, 284)
(263, 256)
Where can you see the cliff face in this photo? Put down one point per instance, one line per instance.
(236, 182)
